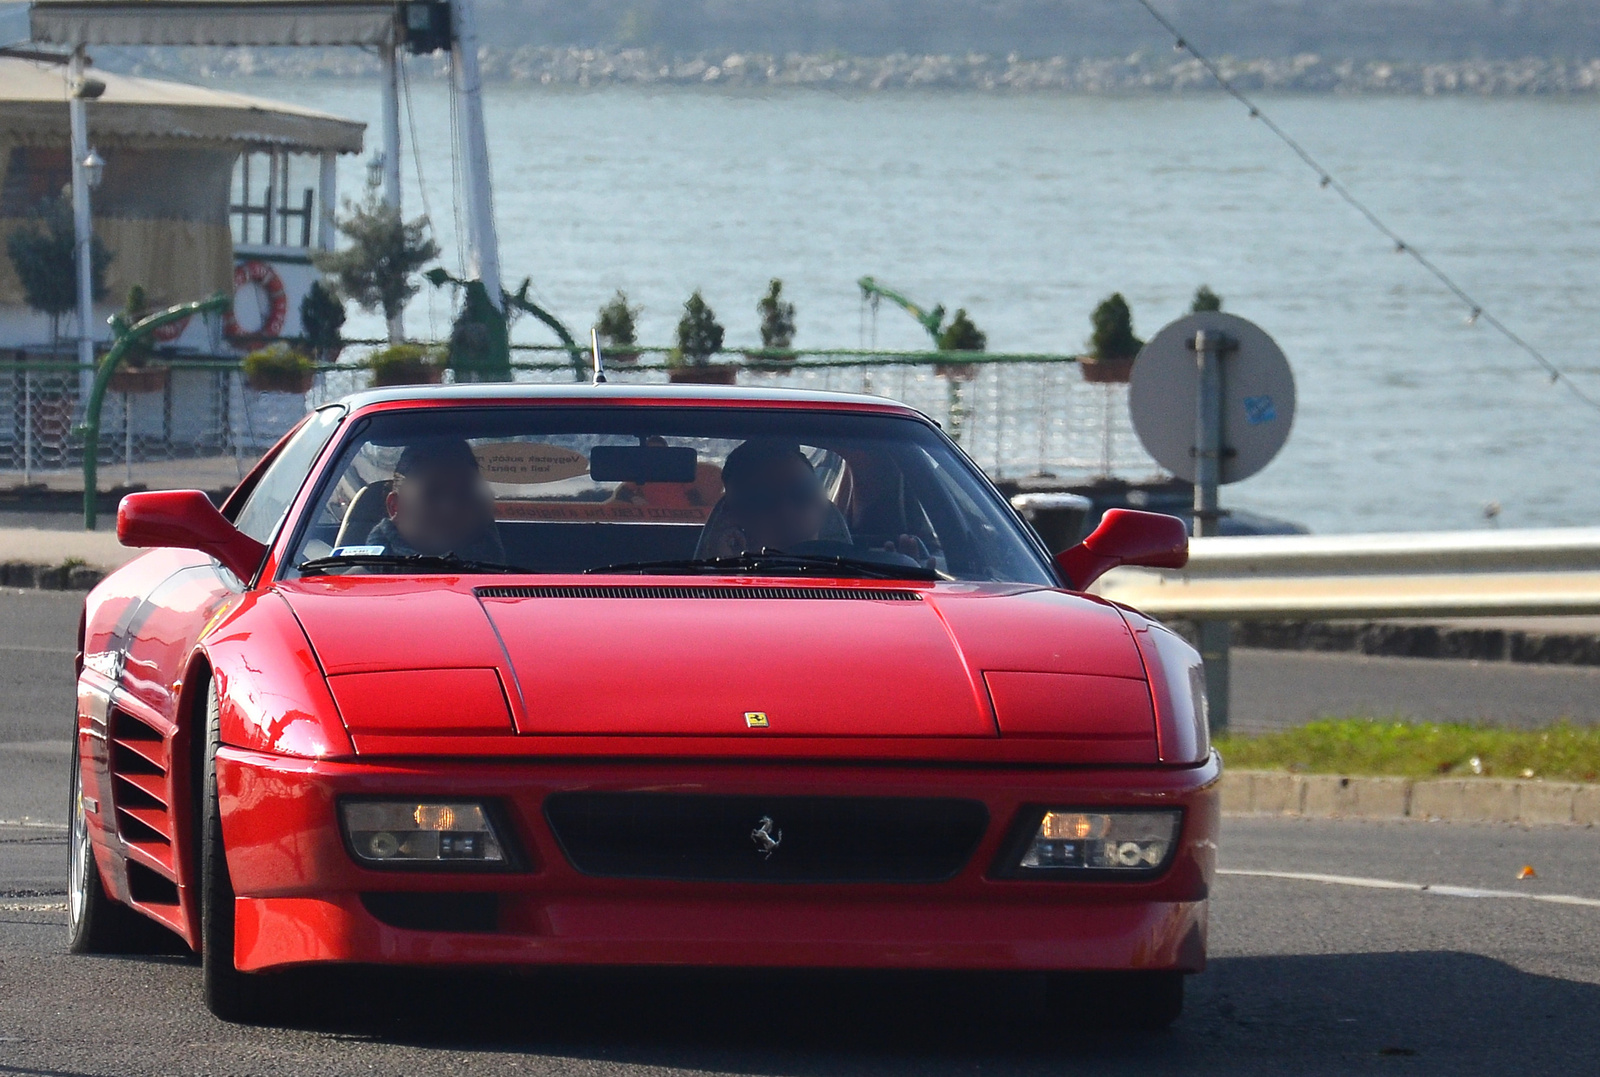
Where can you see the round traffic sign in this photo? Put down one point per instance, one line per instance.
(1257, 396)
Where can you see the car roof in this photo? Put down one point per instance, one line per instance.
(617, 393)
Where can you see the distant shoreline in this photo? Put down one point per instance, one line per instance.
(1154, 73)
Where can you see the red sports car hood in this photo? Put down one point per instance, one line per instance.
(731, 657)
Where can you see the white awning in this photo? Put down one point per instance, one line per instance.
(33, 109)
(213, 22)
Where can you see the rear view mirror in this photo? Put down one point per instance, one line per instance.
(641, 463)
(1126, 537)
(187, 520)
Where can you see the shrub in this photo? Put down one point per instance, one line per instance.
(777, 317)
(278, 368)
(378, 269)
(699, 333)
(321, 319)
(1205, 300)
(615, 324)
(405, 364)
(1113, 330)
(42, 253)
(961, 335)
(136, 307)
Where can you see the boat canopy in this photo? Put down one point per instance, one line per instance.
(213, 22)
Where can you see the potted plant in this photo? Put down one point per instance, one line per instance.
(41, 252)
(699, 338)
(405, 364)
(1112, 347)
(321, 319)
(615, 325)
(135, 374)
(961, 335)
(378, 269)
(777, 324)
(1205, 300)
(278, 368)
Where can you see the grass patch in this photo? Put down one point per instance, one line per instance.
(1421, 750)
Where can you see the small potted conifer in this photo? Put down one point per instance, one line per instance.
(616, 327)
(699, 338)
(777, 325)
(1112, 347)
(135, 374)
(961, 334)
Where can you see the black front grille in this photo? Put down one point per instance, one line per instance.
(811, 839)
(680, 591)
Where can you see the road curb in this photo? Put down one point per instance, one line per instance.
(1472, 800)
(30, 575)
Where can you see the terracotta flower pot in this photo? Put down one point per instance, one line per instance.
(390, 374)
(715, 374)
(624, 356)
(956, 371)
(1106, 371)
(144, 379)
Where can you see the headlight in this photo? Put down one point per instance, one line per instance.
(420, 832)
(1085, 842)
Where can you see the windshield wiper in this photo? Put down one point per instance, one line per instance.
(421, 562)
(798, 563)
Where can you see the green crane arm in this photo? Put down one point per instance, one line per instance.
(521, 301)
(931, 320)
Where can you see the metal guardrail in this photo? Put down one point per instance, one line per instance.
(1544, 572)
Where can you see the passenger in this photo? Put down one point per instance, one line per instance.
(439, 504)
(773, 499)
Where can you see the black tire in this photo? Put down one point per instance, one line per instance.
(232, 995)
(1146, 1001)
(97, 923)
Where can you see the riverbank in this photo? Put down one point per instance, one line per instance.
(1153, 72)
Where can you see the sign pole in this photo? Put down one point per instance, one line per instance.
(1210, 347)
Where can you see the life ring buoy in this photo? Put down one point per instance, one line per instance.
(166, 334)
(259, 275)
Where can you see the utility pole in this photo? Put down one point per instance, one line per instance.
(391, 148)
(483, 246)
(1210, 348)
(82, 222)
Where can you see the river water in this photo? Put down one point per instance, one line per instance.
(1027, 210)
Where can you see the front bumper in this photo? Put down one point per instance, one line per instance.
(301, 896)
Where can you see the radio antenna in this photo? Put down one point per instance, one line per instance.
(599, 360)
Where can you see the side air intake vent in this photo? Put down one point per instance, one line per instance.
(857, 594)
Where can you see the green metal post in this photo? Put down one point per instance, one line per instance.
(126, 338)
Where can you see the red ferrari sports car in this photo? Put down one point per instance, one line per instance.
(622, 675)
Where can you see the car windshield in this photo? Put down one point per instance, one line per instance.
(659, 490)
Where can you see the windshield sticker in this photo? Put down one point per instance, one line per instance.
(358, 551)
(520, 463)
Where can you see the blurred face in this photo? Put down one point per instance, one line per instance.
(440, 508)
(783, 506)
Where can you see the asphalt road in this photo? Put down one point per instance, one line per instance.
(1328, 974)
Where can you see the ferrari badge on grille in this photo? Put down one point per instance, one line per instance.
(766, 838)
(755, 719)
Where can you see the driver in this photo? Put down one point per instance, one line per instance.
(773, 499)
(439, 504)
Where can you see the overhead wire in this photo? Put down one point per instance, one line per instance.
(1476, 311)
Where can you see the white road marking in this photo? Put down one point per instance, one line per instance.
(1421, 888)
(33, 906)
(29, 824)
(35, 649)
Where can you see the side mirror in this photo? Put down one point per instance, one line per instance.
(1126, 537)
(187, 520)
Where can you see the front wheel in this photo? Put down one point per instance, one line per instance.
(230, 994)
(1147, 1001)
